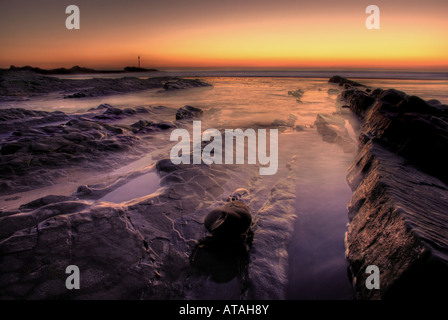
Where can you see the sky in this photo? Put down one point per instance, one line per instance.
(230, 34)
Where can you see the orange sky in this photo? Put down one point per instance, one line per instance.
(233, 34)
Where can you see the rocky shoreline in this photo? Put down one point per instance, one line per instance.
(19, 85)
(156, 246)
(399, 210)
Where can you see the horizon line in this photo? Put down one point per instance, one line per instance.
(251, 69)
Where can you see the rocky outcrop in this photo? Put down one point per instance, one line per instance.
(398, 212)
(407, 125)
(176, 84)
(38, 147)
(343, 81)
(15, 85)
(188, 112)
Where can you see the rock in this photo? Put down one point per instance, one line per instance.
(406, 125)
(83, 191)
(398, 212)
(76, 95)
(41, 202)
(20, 113)
(165, 165)
(341, 81)
(179, 84)
(99, 241)
(239, 193)
(33, 152)
(391, 96)
(358, 100)
(12, 147)
(230, 221)
(140, 124)
(101, 107)
(333, 91)
(129, 111)
(17, 84)
(297, 93)
(114, 111)
(164, 125)
(398, 222)
(188, 112)
(279, 123)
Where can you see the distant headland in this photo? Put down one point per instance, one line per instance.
(75, 70)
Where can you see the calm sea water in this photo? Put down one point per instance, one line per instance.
(316, 264)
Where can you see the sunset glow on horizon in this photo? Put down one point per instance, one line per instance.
(231, 34)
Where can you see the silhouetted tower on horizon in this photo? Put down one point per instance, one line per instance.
(139, 61)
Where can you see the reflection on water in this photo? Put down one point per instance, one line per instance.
(317, 267)
(139, 187)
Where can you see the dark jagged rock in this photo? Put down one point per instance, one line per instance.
(139, 125)
(341, 81)
(164, 125)
(188, 112)
(114, 111)
(143, 126)
(165, 165)
(398, 222)
(398, 212)
(407, 125)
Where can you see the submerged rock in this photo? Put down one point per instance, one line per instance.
(188, 112)
(333, 129)
(333, 91)
(296, 93)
